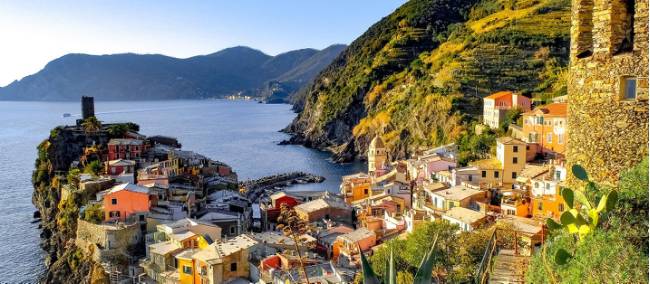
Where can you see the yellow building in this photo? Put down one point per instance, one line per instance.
(216, 263)
(509, 162)
(377, 157)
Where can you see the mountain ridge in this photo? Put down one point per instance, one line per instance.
(130, 76)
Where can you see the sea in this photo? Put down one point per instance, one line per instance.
(243, 134)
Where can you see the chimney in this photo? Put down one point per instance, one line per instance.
(87, 107)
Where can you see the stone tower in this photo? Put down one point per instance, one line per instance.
(377, 157)
(87, 107)
(608, 86)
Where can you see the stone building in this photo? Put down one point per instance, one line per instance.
(608, 86)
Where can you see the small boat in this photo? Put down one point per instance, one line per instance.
(66, 115)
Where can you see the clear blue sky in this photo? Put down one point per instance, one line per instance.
(34, 32)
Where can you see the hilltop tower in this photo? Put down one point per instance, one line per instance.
(87, 107)
(608, 86)
(377, 157)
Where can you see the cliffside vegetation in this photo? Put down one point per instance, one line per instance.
(59, 200)
(417, 77)
(615, 252)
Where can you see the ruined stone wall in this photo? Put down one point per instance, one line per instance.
(607, 133)
(106, 243)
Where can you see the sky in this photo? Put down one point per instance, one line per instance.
(33, 33)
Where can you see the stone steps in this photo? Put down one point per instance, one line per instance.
(508, 268)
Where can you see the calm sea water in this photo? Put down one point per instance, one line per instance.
(243, 134)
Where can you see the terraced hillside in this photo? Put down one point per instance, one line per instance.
(417, 77)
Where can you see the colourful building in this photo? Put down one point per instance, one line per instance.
(355, 187)
(124, 200)
(546, 126)
(546, 198)
(129, 149)
(271, 211)
(496, 105)
(509, 162)
(466, 219)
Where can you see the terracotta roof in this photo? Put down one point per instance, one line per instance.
(499, 95)
(554, 109)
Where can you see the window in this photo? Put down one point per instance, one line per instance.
(496, 174)
(114, 201)
(623, 25)
(561, 207)
(628, 88)
(470, 178)
(539, 205)
(549, 137)
(187, 269)
(141, 217)
(515, 160)
(365, 191)
(514, 175)
(232, 230)
(484, 174)
(584, 40)
(560, 138)
(515, 149)
(233, 266)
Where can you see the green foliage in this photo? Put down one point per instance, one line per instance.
(91, 124)
(73, 177)
(93, 168)
(473, 147)
(455, 255)
(93, 213)
(512, 115)
(616, 252)
(117, 130)
(583, 219)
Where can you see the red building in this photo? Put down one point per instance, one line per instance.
(270, 212)
(129, 149)
(126, 199)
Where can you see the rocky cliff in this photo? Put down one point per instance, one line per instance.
(417, 77)
(64, 262)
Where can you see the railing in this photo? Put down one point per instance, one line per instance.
(484, 267)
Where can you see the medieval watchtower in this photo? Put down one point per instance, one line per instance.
(87, 107)
(608, 86)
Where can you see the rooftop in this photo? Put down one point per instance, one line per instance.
(129, 187)
(498, 95)
(321, 203)
(123, 141)
(553, 109)
(358, 235)
(464, 215)
(121, 162)
(163, 248)
(506, 140)
(488, 164)
(458, 192)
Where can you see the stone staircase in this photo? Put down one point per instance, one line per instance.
(508, 268)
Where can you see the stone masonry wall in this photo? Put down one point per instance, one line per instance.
(607, 133)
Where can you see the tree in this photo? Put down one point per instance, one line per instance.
(91, 124)
(293, 226)
(93, 168)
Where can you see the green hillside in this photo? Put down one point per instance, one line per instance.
(417, 77)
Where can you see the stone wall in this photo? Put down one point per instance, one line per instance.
(607, 133)
(106, 243)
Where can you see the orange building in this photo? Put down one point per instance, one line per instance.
(546, 126)
(355, 187)
(126, 199)
(546, 198)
